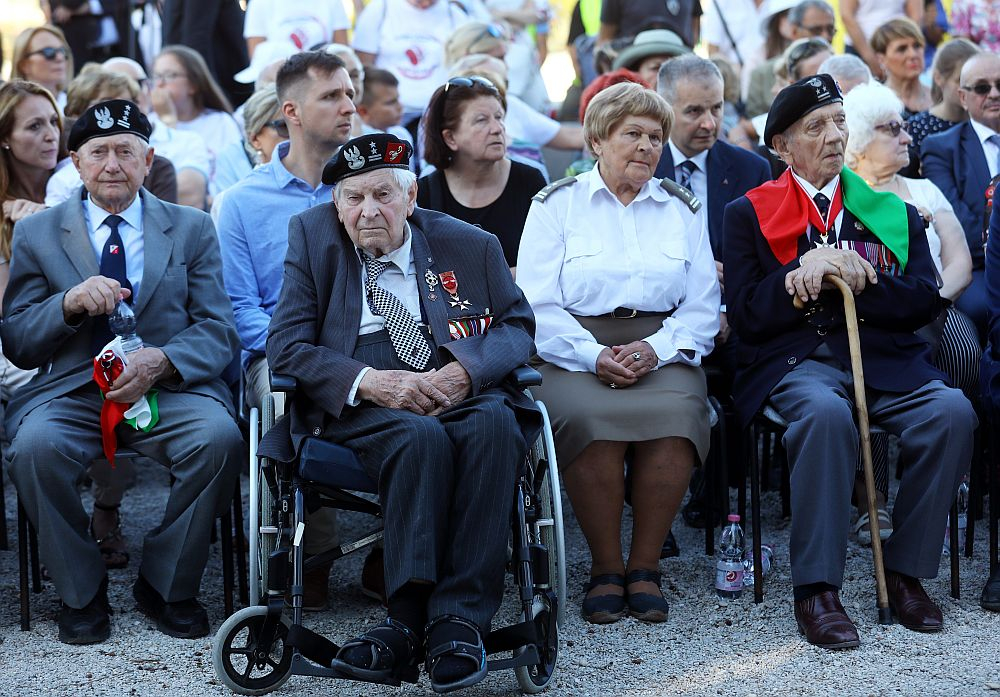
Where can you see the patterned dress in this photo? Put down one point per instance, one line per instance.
(979, 20)
(919, 126)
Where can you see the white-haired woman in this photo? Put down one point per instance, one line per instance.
(876, 149)
(620, 276)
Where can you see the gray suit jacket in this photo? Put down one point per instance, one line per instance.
(182, 306)
(314, 330)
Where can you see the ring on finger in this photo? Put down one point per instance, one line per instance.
(636, 356)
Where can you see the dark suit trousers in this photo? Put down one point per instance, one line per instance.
(55, 444)
(934, 423)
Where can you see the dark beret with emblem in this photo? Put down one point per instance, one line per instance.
(797, 100)
(109, 118)
(366, 153)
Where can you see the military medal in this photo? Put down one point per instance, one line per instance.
(432, 282)
(450, 285)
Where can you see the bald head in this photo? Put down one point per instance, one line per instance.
(980, 89)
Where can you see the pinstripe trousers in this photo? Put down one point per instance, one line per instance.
(446, 485)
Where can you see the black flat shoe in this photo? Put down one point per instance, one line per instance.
(387, 654)
(646, 606)
(90, 624)
(670, 547)
(608, 608)
(182, 619)
(456, 657)
(990, 599)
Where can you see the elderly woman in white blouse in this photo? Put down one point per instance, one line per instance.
(620, 275)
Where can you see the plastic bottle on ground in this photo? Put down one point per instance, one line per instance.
(729, 564)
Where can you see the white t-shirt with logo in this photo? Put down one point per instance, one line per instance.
(409, 42)
(303, 22)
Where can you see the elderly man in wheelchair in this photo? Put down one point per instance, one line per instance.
(399, 326)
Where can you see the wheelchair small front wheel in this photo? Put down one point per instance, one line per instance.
(535, 678)
(241, 663)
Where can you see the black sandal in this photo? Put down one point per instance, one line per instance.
(473, 653)
(113, 556)
(608, 608)
(646, 606)
(385, 666)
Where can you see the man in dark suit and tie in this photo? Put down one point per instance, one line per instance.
(820, 218)
(400, 325)
(962, 160)
(69, 267)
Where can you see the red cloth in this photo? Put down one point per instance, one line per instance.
(785, 212)
(107, 368)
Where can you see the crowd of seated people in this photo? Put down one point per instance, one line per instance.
(367, 166)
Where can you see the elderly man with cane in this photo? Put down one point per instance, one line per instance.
(820, 219)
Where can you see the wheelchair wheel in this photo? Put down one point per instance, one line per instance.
(535, 678)
(549, 491)
(243, 666)
(263, 517)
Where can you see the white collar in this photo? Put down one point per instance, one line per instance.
(983, 132)
(701, 159)
(401, 257)
(829, 190)
(651, 188)
(131, 215)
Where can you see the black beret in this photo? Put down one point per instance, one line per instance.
(366, 153)
(108, 118)
(797, 100)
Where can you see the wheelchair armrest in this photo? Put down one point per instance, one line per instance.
(283, 383)
(524, 376)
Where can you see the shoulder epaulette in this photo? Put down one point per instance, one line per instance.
(544, 193)
(685, 195)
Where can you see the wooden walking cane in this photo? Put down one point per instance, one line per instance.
(861, 405)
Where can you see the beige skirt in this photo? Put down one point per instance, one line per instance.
(669, 402)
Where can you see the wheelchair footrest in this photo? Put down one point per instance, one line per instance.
(512, 637)
(315, 647)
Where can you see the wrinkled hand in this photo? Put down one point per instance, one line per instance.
(95, 296)
(163, 105)
(611, 371)
(724, 329)
(642, 366)
(816, 263)
(454, 382)
(401, 389)
(145, 367)
(20, 208)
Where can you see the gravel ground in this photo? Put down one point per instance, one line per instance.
(708, 647)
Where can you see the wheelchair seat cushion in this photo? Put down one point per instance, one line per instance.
(333, 465)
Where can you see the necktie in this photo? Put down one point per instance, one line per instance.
(823, 204)
(685, 171)
(409, 343)
(112, 266)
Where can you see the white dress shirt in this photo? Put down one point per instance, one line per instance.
(699, 178)
(398, 278)
(990, 150)
(131, 234)
(584, 253)
(829, 191)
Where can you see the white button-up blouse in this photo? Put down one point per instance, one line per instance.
(584, 253)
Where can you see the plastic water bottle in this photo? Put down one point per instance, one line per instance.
(766, 562)
(729, 567)
(122, 323)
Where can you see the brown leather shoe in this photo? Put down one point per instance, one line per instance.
(373, 576)
(824, 622)
(911, 604)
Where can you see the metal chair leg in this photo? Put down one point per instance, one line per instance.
(36, 567)
(226, 536)
(241, 547)
(22, 566)
(953, 542)
(758, 580)
(3, 516)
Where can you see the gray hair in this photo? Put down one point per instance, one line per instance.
(259, 110)
(404, 179)
(865, 107)
(846, 68)
(686, 67)
(798, 13)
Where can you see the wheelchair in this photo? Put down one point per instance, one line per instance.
(259, 647)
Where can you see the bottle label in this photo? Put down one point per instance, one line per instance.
(729, 577)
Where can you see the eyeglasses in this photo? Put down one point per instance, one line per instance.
(893, 128)
(469, 82)
(50, 53)
(167, 77)
(983, 87)
(820, 29)
(279, 126)
(807, 49)
(491, 30)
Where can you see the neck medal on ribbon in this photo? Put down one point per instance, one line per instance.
(450, 285)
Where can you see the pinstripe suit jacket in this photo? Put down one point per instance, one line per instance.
(314, 329)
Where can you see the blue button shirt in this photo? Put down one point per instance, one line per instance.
(253, 234)
(130, 230)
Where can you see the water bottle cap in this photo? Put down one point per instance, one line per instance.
(733, 518)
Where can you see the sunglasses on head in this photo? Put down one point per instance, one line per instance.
(279, 126)
(983, 87)
(469, 82)
(50, 53)
(893, 128)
